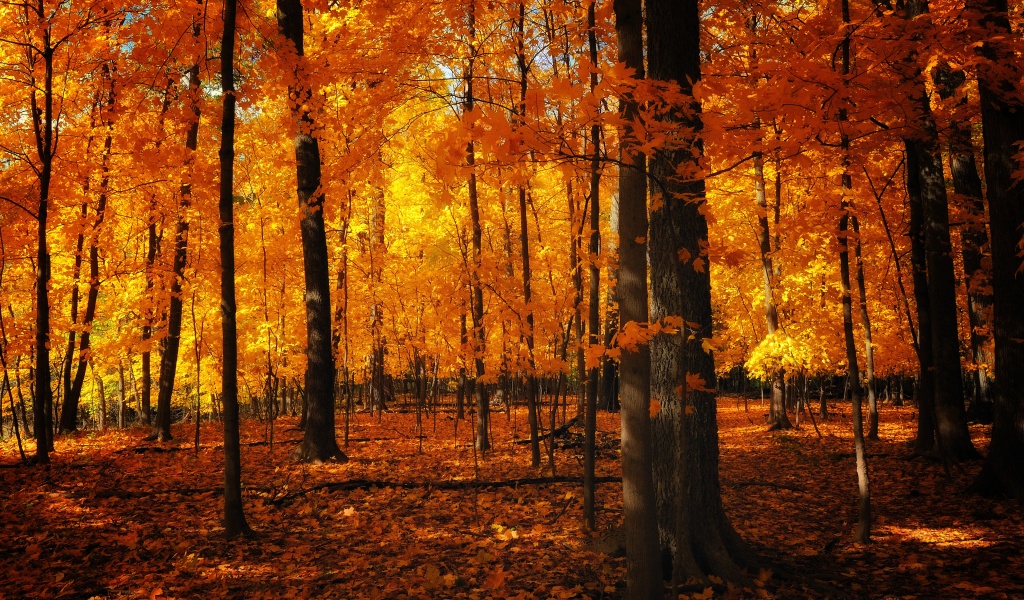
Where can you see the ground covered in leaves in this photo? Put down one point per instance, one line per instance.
(424, 517)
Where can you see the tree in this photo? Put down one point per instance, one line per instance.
(234, 517)
(169, 358)
(106, 109)
(922, 150)
(318, 441)
(863, 533)
(1001, 109)
(692, 521)
(643, 576)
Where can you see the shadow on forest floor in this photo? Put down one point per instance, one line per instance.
(109, 522)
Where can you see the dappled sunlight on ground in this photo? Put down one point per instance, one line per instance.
(117, 517)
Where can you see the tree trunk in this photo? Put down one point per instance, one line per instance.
(69, 410)
(234, 517)
(318, 442)
(476, 287)
(777, 417)
(643, 573)
(924, 393)
(594, 318)
(869, 350)
(43, 125)
(950, 414)
(863, 533)
(169, 358)
(977, 259)
(692, 520)
(1001, 109)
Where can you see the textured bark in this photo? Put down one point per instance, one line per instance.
(234, 517)
(524, 247)
(43, 125)
(977, 259)
(925, 391)
(777, 417)
(691, 518)
(594, 316)
(869, 349)
(950, 414)
(318, 441)
(643, 573)
(172, 343)
(476, 287)
(1001, 109)
(863, 532)
(69, 409)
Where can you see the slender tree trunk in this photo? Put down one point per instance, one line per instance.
(234, 517)
(863, 533)
(869, 349)
(594, 317)
(43, 126)
(172, 343)
(69, 412)
(476, 287)
(643, 568)
(777, 417)
(1001, 109)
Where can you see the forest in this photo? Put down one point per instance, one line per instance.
(511, 299)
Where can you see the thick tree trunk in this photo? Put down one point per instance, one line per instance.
(1001, 109)
(950, 414)
(643, 572)
(234, 517)
(977, 259)
(924, 394)
(318, 442)
(692, 521)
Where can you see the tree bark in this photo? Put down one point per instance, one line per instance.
(950, 414)
(977, 259)
(234, 517)
(169, 358)
(643, 573)
(318, 441)
(869, 349)
(476, 287)
(924, 393)
(43, 126)
(1001, 109)
(863, 532)
(594, 316)
(692, 520)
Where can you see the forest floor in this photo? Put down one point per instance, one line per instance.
(116, 517)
